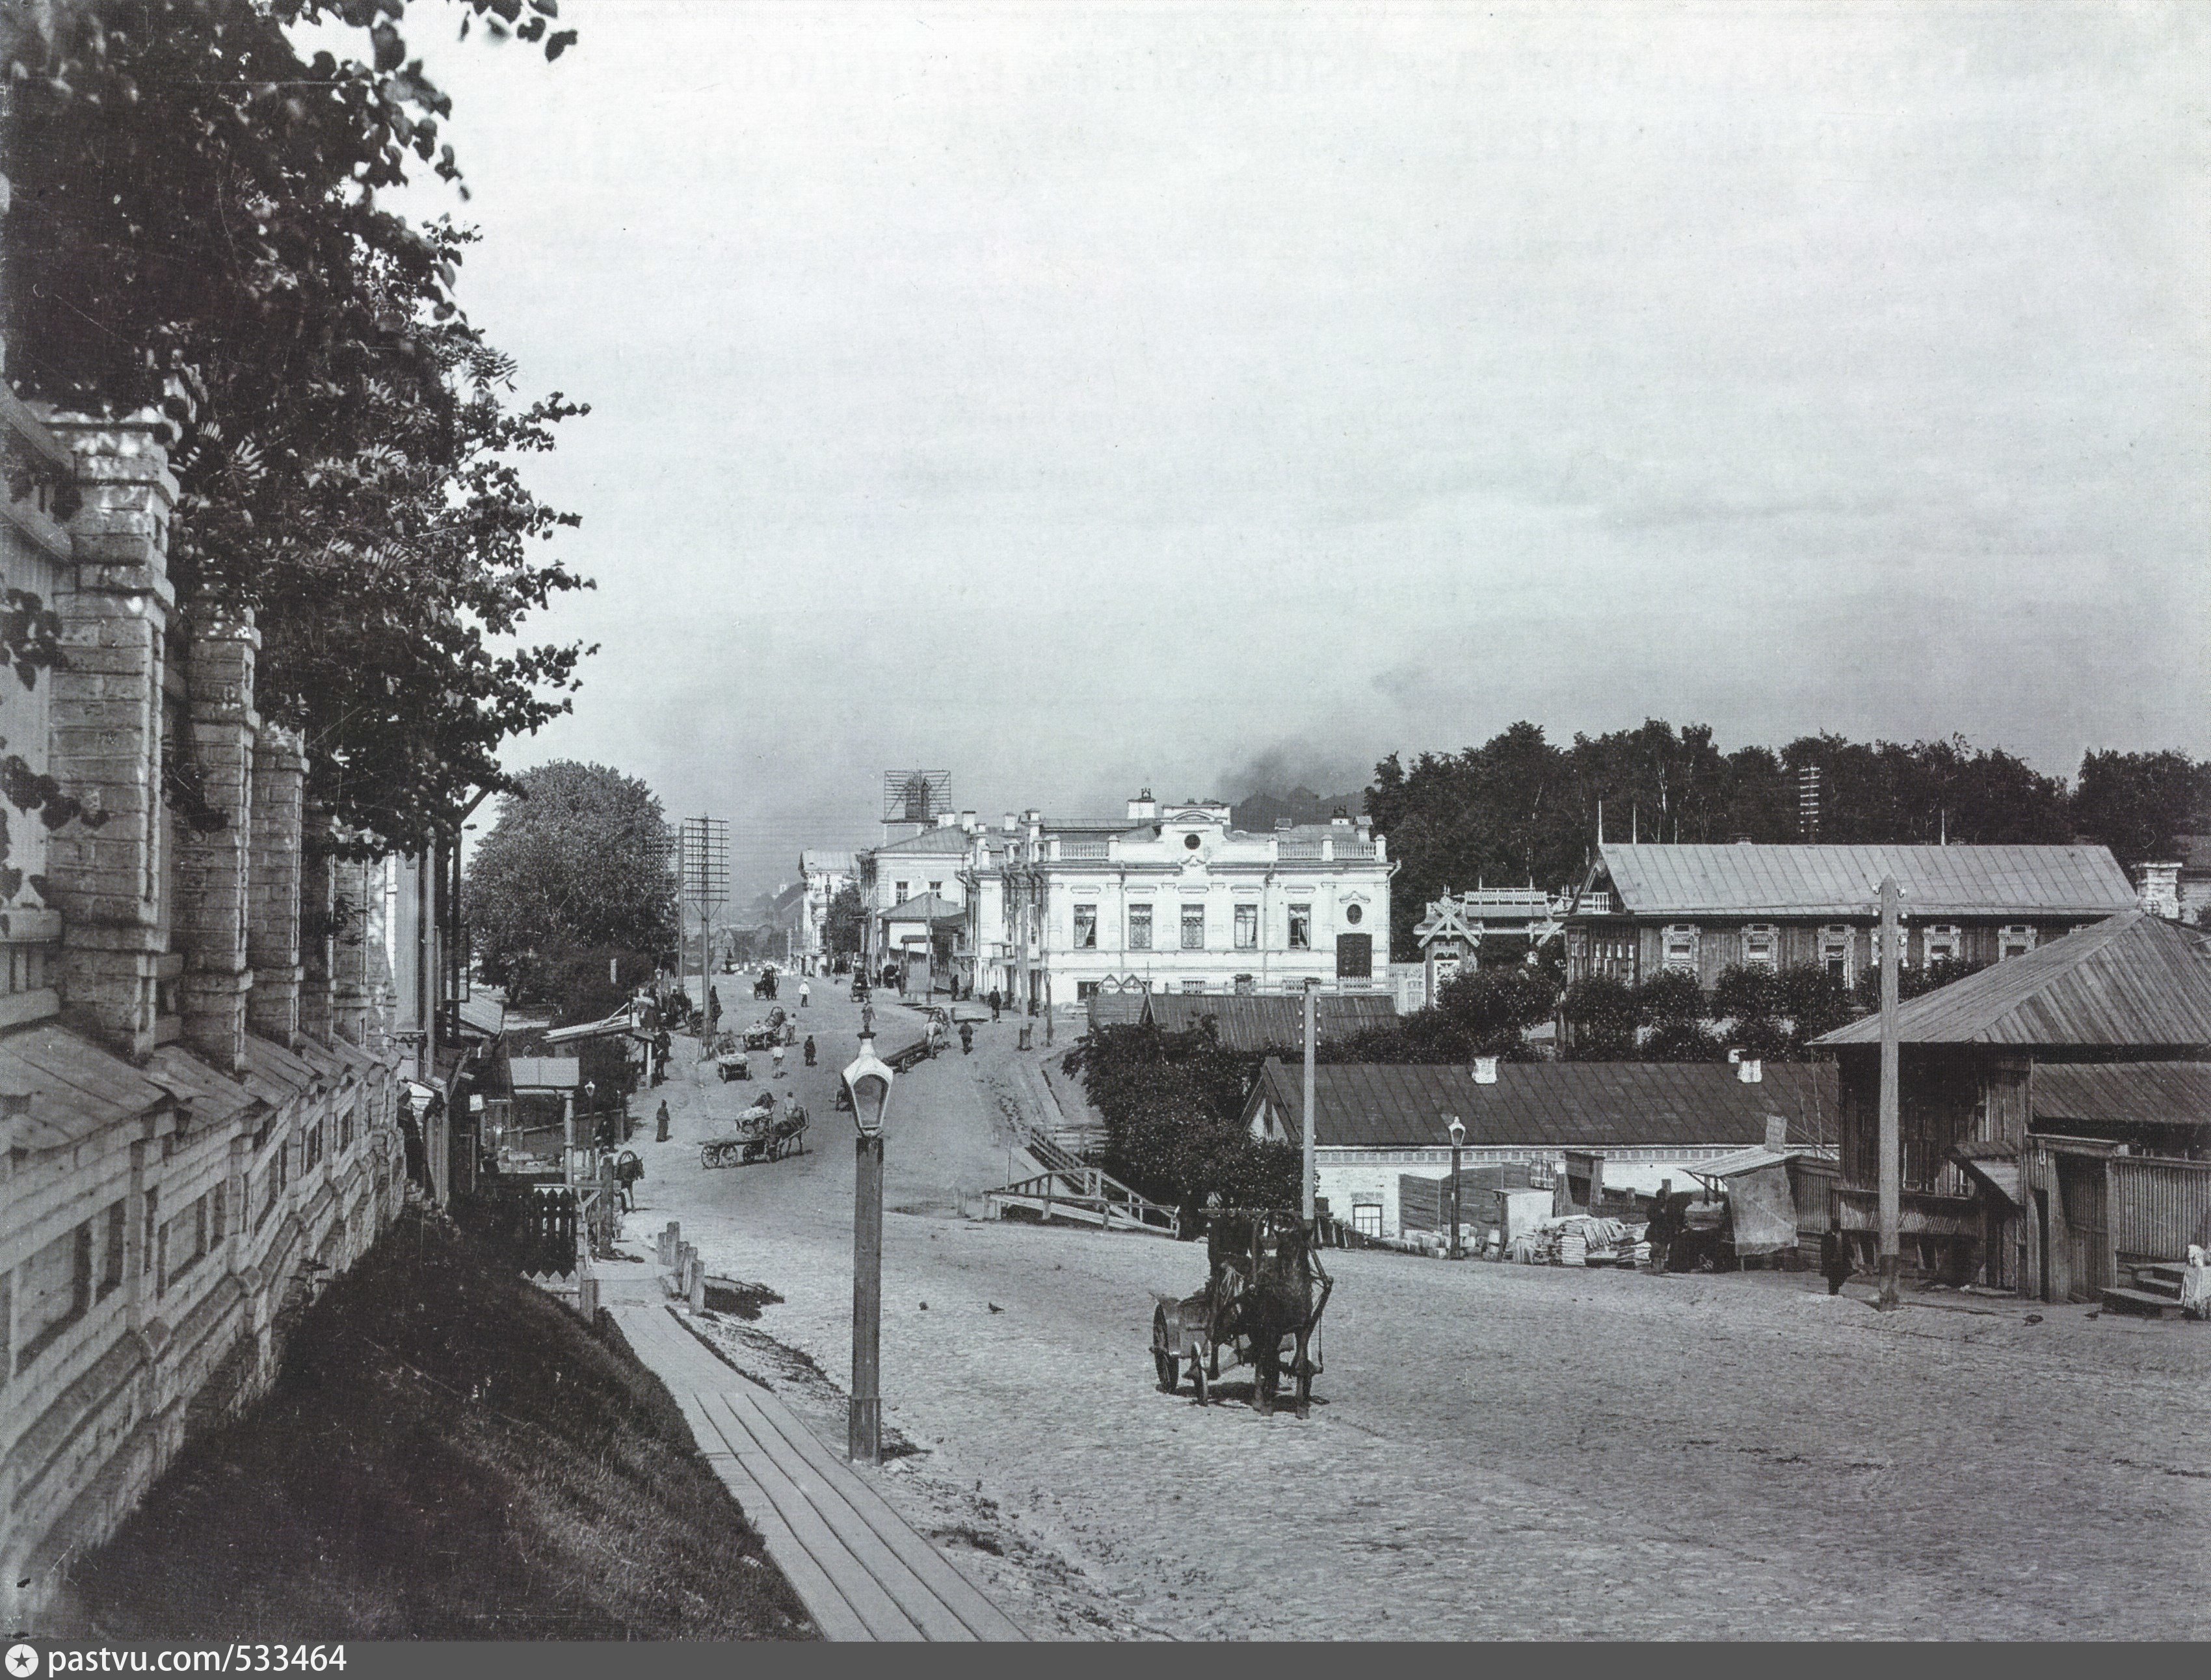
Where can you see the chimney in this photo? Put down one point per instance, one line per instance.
(1011, 822)
(967, 821)
(1485, 1070)
(2158, 885)
(1143, 808)
(1750, 1070)
(946, 818)
(1285, 822)
(1777, 1133)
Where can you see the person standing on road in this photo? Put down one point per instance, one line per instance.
(809, 1049)
(805, 993)
(778, 1058)
(1665, 1223)
(713, 1007)
(967, 1038)
(660, 1122)
(1835, 1255)
(996, 1001)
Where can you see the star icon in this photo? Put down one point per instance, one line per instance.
(22, 1662)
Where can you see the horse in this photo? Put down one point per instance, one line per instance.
(1264, 1273)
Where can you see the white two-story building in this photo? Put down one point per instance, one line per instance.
(1172, 898)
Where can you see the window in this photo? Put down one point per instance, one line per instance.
(1835, 954)
(1943, 943)
(1355, 955)
(1247, 927)
(1681, 948)
(897, 891)
(1085, 990)
(1354, 914)
(2015, 941)
(1761, 946)
(937, 887)
(1302, 927)
(1193, 988)
(1190, 843)
(1140, 926)
(57, 1288)
(218, 1213)
(185, 1240)
(314, 1144)
(1086, 927)
(1193, 928)
(1366, 1219)
(111, 1257)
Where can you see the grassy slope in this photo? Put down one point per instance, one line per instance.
(447, 1454)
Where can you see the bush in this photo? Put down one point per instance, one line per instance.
(1745, 993)
(1681, 1041)
(1670, 995)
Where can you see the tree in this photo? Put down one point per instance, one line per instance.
(2140, 804)
(196, 225)
(577, 863)
(1600, 1013)
(846, 921)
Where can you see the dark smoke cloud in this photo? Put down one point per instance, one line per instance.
(1292, 764)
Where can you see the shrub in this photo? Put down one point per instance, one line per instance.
(1670, 995)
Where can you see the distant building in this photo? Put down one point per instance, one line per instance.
(1701, 910)
(1376, 1121)
(1253, 1024)
(824, 874)
(1171, 898)
(1450, 934)
(925, 861)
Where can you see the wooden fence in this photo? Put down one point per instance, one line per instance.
(2159, 1207)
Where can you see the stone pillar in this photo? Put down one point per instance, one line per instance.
(211, 916)
(108, 881)
(272, 903)
(349, 965)
(318, 898)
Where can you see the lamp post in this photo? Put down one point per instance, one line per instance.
(868, 1081)
(1457, 1129)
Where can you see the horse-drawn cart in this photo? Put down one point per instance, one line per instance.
(1261, 1307)
(762, 1135)
(766, 1032)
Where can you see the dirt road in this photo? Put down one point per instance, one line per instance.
(1503, 1451)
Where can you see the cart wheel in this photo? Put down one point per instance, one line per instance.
(1197, 1381)
(1168, 1371)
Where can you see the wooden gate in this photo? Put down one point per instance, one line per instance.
(2159, 1206)
(2082, 1196)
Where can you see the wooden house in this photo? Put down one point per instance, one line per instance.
(1374, 1122)
(1643, 911)
(2055, 1114)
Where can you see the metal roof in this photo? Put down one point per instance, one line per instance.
(1750, 1160)
(1555, 1104)
(1116, 1009)
(814, 863)
(77, 1088)
(928, 907)
(1252, 1022)
(1846, 880)
(947, 841)
(487, 1016)
(2136, 980)
(2123, 1093)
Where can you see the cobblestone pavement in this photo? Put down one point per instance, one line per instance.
(1500, 1452)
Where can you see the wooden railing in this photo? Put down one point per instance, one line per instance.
(1087, 1194)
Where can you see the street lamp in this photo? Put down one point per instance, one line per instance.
(1458, 1137)
(868, 1083)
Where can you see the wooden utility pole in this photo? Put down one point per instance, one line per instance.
(1307, 1176)
(865, 1431)
(1892, 1151)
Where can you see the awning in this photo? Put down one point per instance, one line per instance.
(2000, 1174)
(1753, 1159)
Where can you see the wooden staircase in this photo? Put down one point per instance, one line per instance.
(2156, 1290)
(1067, 1187)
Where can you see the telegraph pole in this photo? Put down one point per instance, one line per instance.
(1307, 1176)
(1892, 1152)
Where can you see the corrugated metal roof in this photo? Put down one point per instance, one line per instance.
(1846, 880)
(928, 907)
(930, 842)
(812, 862)
(2123, 1093)
(2136, 980)
(1750, 1160)
(1252, 1022)
(1557, 1104)
(487, 1016)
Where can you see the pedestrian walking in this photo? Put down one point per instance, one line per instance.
(1835, 1255)
(1665, 1224)
(967, 1038)
(660, 1121)
(809, 1049)
(996, 1001)
(805, 993)
(778, 1060)
(867, 1020)
(627, 1170)
(713, 1007)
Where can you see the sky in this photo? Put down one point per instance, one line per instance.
(1082, 397)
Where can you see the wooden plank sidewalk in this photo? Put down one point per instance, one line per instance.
(860, 1569)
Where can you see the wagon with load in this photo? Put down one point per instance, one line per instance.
(762, 1134)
